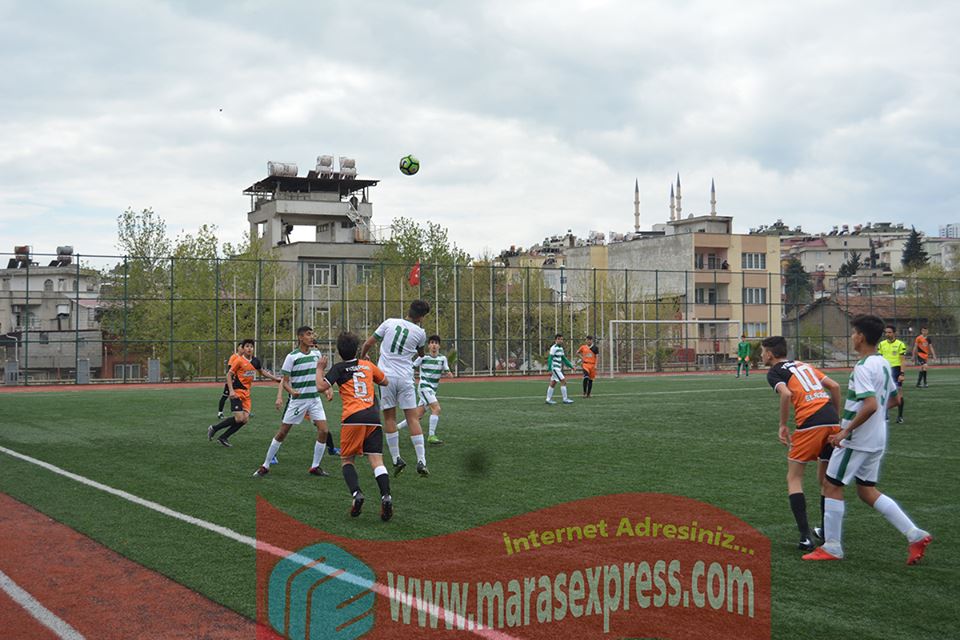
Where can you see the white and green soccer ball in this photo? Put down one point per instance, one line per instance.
(409, 165)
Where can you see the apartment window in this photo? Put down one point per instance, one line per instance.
(133, 370)
(754, 295)
(366, 273)
(48, 285)
(322, 274)
(755, 329)
(712, 261)
(44, 337)
(698, 261)
(705, 295)
(754, 260)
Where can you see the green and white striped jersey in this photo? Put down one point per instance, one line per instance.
(870, 377)
(302, 369)
(557, 359)
(431, 369)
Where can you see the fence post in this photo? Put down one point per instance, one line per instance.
(216, 319)
(656, 302)
(126, 278)
(25, 318)
(171, 317)
(456, 318)
(76, 326)
(491, 337)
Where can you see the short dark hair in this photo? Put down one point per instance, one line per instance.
(559, 335)
(923, 326)
(246, 341)
(891, 327)
(871, 327)
(303, 329)
(418, 309)
(777, 345)
(589, 338)
(347, 345)
(434, 338)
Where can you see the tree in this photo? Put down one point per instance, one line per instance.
(851, 266)
(798, 289)
(914, 257)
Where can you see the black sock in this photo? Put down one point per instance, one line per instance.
(586, 385)
(589, 386)
(227, 422)
(798, 504)
(223, 401)
(923, 375)
(232, 430)
(330, 444)
(900, 408)
(350, 476)
(383, 481)
(823, 501)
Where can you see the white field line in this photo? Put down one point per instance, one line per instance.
(459, 621)
(43, 615)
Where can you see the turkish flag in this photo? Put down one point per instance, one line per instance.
(414, 277)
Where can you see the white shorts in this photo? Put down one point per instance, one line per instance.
(557, 376)
(847, 464)
(427, 396)
(398, 393)
(298, 409)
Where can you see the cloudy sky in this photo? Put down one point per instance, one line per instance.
(529, 118)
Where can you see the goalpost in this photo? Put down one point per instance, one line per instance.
(719, 341)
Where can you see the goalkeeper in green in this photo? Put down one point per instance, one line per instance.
(743, 356)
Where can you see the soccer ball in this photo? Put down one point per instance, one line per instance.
(409, 165)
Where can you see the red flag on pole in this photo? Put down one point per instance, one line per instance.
(414, 278)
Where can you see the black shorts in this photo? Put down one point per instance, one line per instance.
(896, 375)
(236, 404)
(921, 362)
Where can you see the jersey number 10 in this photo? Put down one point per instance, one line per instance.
(808, 380)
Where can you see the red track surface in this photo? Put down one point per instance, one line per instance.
(98, 592)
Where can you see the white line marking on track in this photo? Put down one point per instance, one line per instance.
(32, 606)
(379, 588)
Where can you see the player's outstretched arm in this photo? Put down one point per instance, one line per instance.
(367, 345)
(279, 402)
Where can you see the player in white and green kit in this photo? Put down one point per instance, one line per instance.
(743, 356)
(432, 367)
(555, 363)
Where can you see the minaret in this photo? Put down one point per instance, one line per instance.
(636, 207)
(713, 198)
(679, 208)
(672, 205)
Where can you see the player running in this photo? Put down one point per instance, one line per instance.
(743, 356)
(225, 396)
(816, 411)
(401, 340)
(300, 370)
(555, 362)
(431, 368)
(587, 357)
(922, 352)
(860, 447)
(243, 369)
(893, 351)
(360, 430)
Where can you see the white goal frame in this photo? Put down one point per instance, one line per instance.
(611, 336)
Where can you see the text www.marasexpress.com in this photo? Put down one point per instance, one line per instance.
(599, 591)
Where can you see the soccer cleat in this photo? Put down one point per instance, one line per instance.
(567, 401)
(821, 554)
(224, 442)
(806, 545)
(818, 532)
(916, 549)
(422, 469)
(262, 471)
(925, 385)
(210, 432)
(220, 415)
(900, 420)
(333, 451)
(434, 440)
(275, 460)
(317, 471)
(357, 504)
(551, 402)
(386, 508)
(398, 466)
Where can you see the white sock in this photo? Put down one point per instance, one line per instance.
(563, 391)
(420, 449)
(549, 393)
(833, 525)
(318, 449)
(895, 516)
(401, 425)
(393, 444)
(271, 452)
(433, 424)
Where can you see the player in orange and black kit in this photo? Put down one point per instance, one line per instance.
(240, 376)
(360, 429)
(923, 351)
(816, 410)
(587, 354)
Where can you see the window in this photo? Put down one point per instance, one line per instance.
(366, 273)
(322, 274)
(705, 295)
(754, 260)
(133, 370)
(48, 285)
(755, 329)
(755, 295)
(44, 337)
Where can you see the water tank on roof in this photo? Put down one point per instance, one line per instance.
(282, 169)
(65, 250)
(325, 166)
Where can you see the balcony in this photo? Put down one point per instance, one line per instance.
(708, 276)
(719, 311)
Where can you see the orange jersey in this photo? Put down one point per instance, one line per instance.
(922, 347)
(587, 355)
(812, 405)
(243, 373)
(357, 380)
